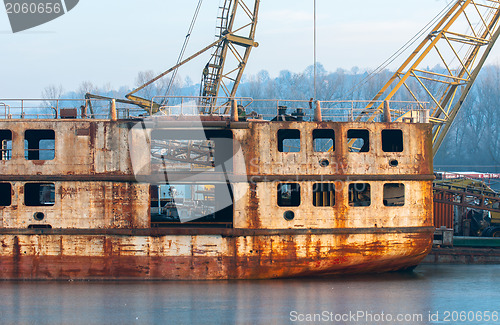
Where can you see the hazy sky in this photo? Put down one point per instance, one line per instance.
(109, 42)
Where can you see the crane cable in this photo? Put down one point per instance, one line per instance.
(399, 52)
(183, 50)
(315, 58)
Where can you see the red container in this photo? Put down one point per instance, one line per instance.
(443, 212)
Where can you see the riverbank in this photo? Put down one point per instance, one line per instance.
(467, 250)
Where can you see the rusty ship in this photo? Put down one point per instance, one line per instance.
(225, 187)
(220, 196)
(219, 186)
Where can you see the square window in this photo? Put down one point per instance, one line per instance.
(359, 195)
(288, 195)
(39, 144)
(324, 140)
(39, 194)
(288, 140)
(392, 140)
(358, 140)
(5, 194)
(5, 144)
(174, 149)
(324, 195)
(394, 195)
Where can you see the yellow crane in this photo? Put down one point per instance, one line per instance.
(235, 38)
(461, 42)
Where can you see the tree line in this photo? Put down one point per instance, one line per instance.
(472, 144)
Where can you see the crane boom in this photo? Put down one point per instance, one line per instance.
(235, 17)
(223, 71)
(462, 55)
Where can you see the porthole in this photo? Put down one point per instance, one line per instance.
(289, 215)
(393, 163)
(38, 216)
(324, 163)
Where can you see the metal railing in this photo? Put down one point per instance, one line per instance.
(337, 111)
(64, 108)
(288, 109)
(193, 105)
(6, 109)
(248, 108)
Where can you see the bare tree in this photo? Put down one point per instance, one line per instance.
(51, 95)
(161, 87)
(85, 88)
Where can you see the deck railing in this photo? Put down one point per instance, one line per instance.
(64, 109)
(248, 108)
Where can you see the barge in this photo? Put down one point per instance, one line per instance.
(182, 196)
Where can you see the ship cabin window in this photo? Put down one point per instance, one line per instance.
(359, 195)
(193, 150)
(358, 140)
(191, 204)
(39, 194)
(39, 144)
(324, 140)
(324, 194)
(5, 194)
(288, 195)
(5, 144)
(394, 194)
(288, 140)
(392, 140)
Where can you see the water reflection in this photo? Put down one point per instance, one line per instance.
(429, 289)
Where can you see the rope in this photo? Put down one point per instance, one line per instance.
(315, 59)
(183, 50)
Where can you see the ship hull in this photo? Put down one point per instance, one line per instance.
(127, 199)
(234, 254)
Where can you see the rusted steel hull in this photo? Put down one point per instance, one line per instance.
(94, 209)
(207, 257)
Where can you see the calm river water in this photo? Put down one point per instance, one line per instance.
(432, 294)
